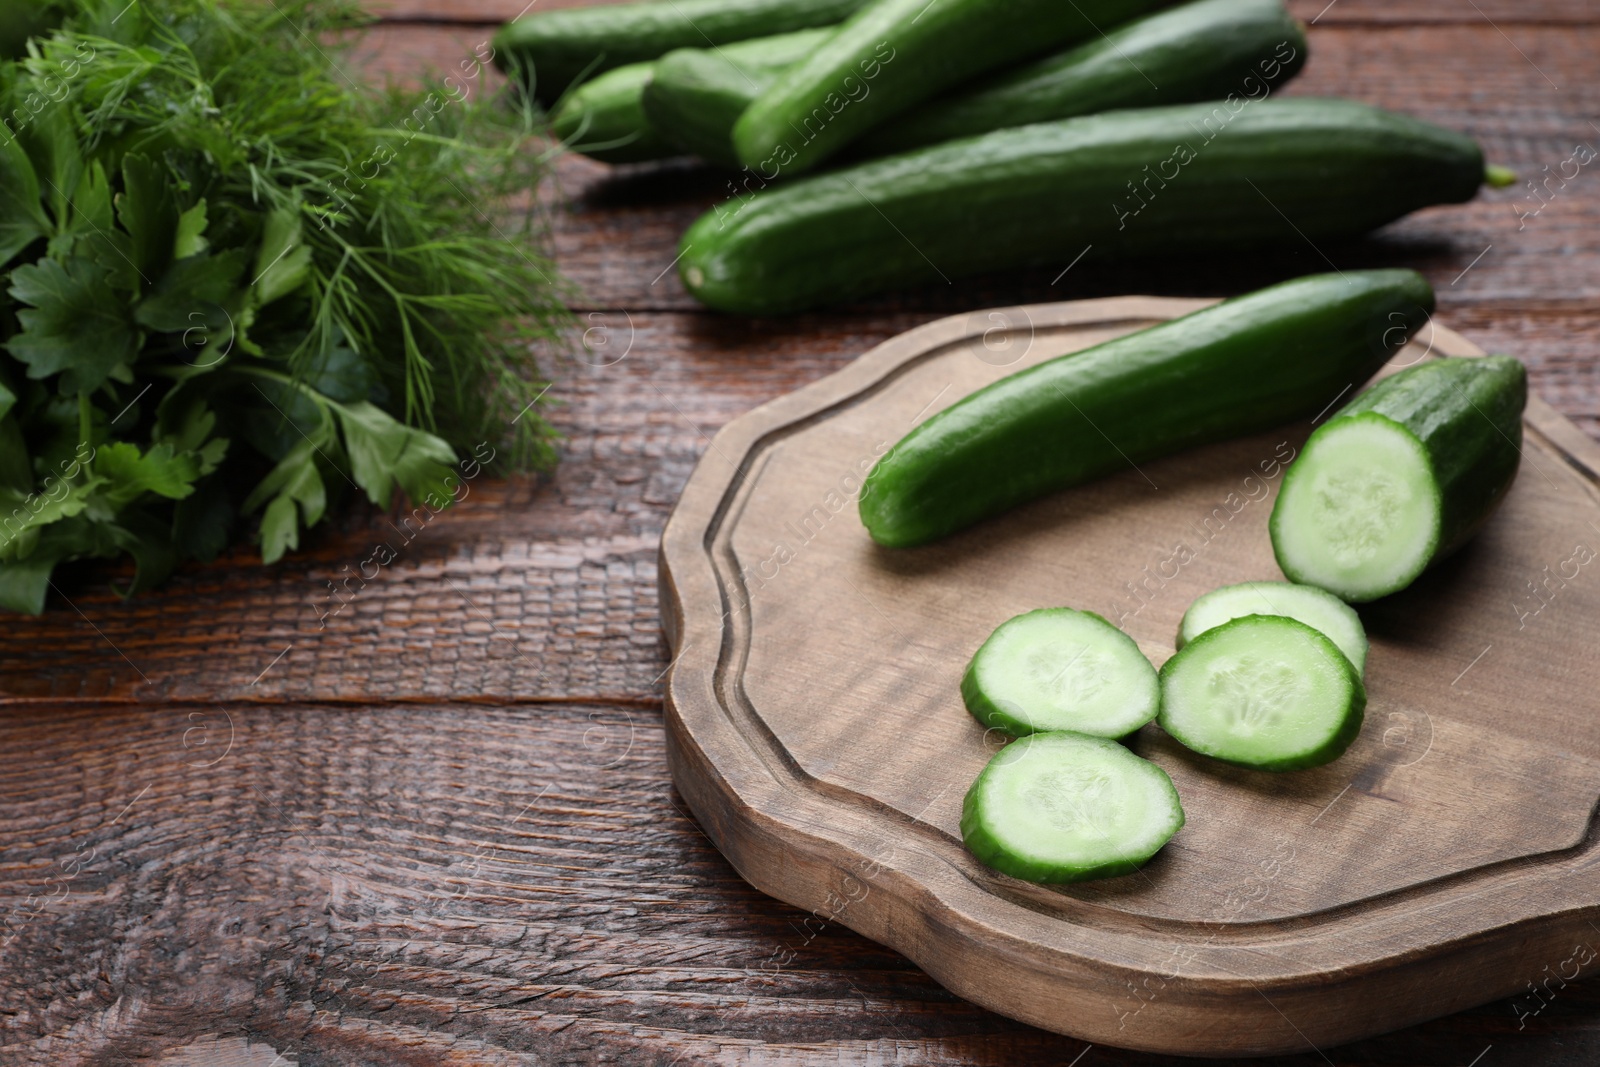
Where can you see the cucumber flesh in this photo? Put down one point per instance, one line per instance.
(1366, 510)
(1401, 477)
(1318, 609)
(1263, 691)
(1060, 669)
(1063, 807)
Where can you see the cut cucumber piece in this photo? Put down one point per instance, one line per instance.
(1060, 669)
(1401, 476)
(1317, 608)
(1363, 518)
(1062, 807)
(1263, 691)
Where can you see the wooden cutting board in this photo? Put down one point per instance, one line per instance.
(817, 730)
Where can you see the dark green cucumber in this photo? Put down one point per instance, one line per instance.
(697, 94)
(1241, 366)
(1204, 50)
(1402, 476)
(1200, 51)
(549, 50)
(605, 120)
(1168, 181)
(894, 54)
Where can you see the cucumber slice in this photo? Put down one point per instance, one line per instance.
(1060, 669)
(1402, 476)
(1263, 691)
(1062, 807)
(1317, 608)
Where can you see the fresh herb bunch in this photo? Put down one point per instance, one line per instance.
(234, 283)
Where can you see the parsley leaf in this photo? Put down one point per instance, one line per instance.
(22, 218)
(77, 326)
(129, 474)
(294, 481)
(384, 452)
(148, 211)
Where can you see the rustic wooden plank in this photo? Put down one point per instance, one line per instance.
(401, 885)
(1502, 12)
(534, 589)
(528, 590)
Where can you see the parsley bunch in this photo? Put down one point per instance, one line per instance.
(235, 286)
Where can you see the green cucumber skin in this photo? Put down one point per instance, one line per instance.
(1202, 50)
(697, 94)
(606, 119)
(1044, 193)
(1331, 750)
(894, 54)
(1244, 365)
(553, 49)
(1467, 414)
(995, 856)
(1199, 51)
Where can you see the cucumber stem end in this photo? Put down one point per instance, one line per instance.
(1499, 177)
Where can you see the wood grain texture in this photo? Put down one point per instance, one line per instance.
(431, 884)
(386, 769)
(532, 589)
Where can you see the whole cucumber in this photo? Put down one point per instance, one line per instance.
(1401, 477)
(1192, 178)
(549, 50)
(605, 120)
(1198, 51)
(894, 54)
(1238, 367)
(697, 94)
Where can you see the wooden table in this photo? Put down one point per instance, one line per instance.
(243, 820)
